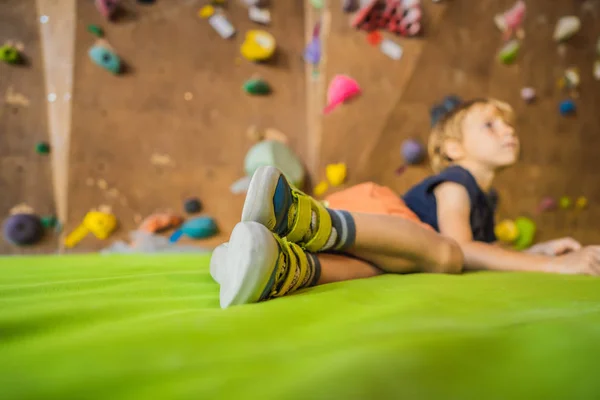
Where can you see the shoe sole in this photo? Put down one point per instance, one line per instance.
(250, 266)
(217, 262)
(258, 206)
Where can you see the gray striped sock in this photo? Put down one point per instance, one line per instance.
(343, 225)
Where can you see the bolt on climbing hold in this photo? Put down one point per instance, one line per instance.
(102, 55)
(95, 30)
(221, 24)
(100, 224)
(336, 173)
(581, 203)
(10, 54)
(413, 152)
(565, 202)
(566, 27)
(42, 148)
(567, 107)
(192, 205)
(23, 229)
(508, 53)
(341, 89)
(107, 7)
(258, 46)
(528, 94)
(257, 87)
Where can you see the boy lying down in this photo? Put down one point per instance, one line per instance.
(288, 241)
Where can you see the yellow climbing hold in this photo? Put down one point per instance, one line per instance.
(336, 173)
(581, 203)
(507, 231)
(206, 12)
(100, 224)
(321, 188)
(258, 45)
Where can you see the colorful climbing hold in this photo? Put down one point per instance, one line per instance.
(349, 6)
(581, 203)
(23, 229)
(506, 231)
(107, 7)
(221, 24)
(527, 229)
(42, 148)
(511, 20)
(102, 56)
(413, 152)
(259, 15)
(570, 79)
(336, 173)
(10, 54)
(548, 204)
(49, 221)
(192, 205)
(508, 53)
(374, 38)
(321, 188)
(258, 45)
(95, 30)
(312, 53)
(566, 27)
(100, 224)
(257, 87)
(391, 49)
(567, 107)
(199, 228)
(565, 202)
(276, 154)
(341, 89)
(159, 222)
(318, 4)
(206, 11)
(528, 94)
(597, 70)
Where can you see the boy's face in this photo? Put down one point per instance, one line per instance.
(488, 139)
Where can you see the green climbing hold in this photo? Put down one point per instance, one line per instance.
(508, 53)
(9, 54)
(95, 30)
(257, 87)
(318, 4)
(49, 221)
(42, 148)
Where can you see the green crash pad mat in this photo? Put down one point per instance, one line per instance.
(149, 327)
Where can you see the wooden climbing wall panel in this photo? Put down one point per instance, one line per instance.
(457, 56)
(25, 176)
(137, 144)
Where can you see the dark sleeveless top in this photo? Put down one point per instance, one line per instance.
(421, 200)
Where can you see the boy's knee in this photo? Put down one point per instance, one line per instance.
(450, 258)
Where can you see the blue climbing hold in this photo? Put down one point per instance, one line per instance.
(567, 107)
(199, 228)
(105, 58)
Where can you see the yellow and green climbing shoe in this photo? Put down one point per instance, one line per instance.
(260, 266)
(273, 202)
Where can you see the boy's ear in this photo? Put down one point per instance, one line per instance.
(454, 150)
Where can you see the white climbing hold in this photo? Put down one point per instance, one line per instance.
(259, 16)
(566, 27)
(391, 49)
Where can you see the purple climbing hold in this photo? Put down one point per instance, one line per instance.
(23, 229)
(312, 53)
(413, 151)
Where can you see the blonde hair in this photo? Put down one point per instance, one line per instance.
(450, 126)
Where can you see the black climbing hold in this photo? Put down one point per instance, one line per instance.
(146, 1)
(192, 206)
(23, 229)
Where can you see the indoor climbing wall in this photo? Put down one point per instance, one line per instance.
(458, 54)
(25, 166)
(175, 123)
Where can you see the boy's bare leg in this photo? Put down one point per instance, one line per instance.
(338, 268)
(398, 245)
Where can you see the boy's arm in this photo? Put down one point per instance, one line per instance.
(453, 209)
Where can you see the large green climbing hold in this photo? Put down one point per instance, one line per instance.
(9, 54)
(276, 154)
(318, 4)
(526, 228)
(95, 30)
(257, 87)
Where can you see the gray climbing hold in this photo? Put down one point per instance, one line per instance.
(276, 154)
